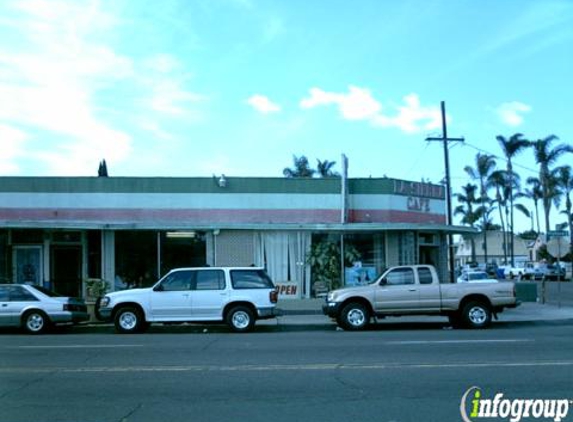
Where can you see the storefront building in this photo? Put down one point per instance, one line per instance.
(62, 232)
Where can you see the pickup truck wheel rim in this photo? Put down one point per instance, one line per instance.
(477, 315)
(35, 322)
(241, 320)
(128, 320)
(356, 317)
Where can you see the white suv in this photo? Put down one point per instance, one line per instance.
(236, 296)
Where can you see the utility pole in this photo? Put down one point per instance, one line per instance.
(444, 138)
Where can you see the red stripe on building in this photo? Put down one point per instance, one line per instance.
(213, 216)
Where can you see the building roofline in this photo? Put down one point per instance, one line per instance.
(335, 227)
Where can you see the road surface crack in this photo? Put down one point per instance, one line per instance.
(349, 385)
(130, 413)
(27, 384)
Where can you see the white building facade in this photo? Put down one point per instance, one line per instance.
(60, 232)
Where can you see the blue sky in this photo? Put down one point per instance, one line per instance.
(202, 87)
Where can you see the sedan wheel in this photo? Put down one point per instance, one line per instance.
(35, 322)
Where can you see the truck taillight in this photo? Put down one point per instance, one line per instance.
(274, 296)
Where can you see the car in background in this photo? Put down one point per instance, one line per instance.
(510, 272)
(532, 271)
(552, 272)
(491, 269)
(475, 277)
(36, 309)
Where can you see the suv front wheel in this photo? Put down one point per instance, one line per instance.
(129, 320)
(240, 319)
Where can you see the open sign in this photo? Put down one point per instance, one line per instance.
(288, 290)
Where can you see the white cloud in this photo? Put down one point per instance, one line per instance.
(412, 117)
(53, 78)
(511, 113)
(170, 98)
(163, 78)
(263, 104)
(12, 147)
(162, 63)
(359, 104)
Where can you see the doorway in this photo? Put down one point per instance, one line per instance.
(429, 255)
(66, 270)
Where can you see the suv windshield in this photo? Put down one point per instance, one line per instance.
(251, 279)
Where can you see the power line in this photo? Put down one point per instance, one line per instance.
(418, 159)
(500, 157)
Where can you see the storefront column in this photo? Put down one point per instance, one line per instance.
(108, 257)
(46, 263)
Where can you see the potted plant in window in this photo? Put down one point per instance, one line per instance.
(324, 261)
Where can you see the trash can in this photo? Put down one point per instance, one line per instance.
(526, 292)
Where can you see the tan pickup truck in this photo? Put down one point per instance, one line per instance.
(416, 290)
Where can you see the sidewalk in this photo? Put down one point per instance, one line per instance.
(306, 314)
(309, 311)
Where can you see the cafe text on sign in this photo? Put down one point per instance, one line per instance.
(418, 204)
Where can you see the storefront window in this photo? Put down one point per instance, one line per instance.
(407, 249)
(284, 256)
(94, 254)
(4, 261)
(27, 237)
(370, 263)
(324, 261)
(182, 249)
(135, 259)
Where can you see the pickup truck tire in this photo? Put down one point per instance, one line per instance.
(129, 320)
(240, 319)
(476, 315)
(354, 317)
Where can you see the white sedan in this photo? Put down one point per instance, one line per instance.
(35, 308)
(475, 277)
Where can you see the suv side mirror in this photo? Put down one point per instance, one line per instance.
(158, 288)
(383, 282)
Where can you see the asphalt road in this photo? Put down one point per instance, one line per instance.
(393, 373)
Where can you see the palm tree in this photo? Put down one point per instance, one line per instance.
(499, 180)
(301, 168)
(565, 182)
(324, 168)
(545, 157)
(485, 165)
(511, 147)
(535, 194)
(470, 215)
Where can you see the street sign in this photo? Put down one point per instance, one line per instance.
(558, 247)
(557, 233)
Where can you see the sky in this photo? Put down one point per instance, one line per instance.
(237, 87)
